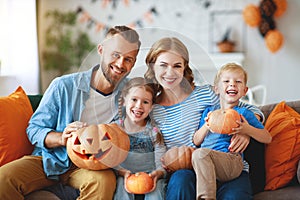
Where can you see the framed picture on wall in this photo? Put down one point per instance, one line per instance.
(227, 25)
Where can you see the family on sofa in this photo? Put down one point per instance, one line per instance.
(66, 106)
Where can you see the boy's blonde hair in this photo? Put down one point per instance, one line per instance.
(230, 67)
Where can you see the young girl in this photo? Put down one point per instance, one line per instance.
(146, 143)
(214, 160)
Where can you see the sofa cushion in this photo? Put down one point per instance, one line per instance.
(16, 111)
(287, 193)
(283, 153)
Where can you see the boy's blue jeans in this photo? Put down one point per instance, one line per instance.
(182, 186)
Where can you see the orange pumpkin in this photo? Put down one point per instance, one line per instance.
(251, 15)
(178, 158)
(273, 40)
(98, 147)
(223, 120)
(139, 183)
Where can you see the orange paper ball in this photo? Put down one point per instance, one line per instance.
(251, 15)
(274, 40)
(281, 6)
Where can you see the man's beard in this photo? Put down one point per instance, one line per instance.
(108, 76)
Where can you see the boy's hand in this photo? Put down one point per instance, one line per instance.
(243, 128)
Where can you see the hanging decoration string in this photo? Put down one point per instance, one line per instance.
(85, 17)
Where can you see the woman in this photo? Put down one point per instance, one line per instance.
(178, 113)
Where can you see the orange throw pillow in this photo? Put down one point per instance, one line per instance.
(16, 111)
(283, 153)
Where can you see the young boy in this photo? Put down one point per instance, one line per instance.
(214, 161)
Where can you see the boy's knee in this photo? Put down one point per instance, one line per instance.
(200, 153)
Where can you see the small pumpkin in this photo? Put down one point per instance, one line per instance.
(223, 120)
(139, 183)
(98, 147)
(178, 158)
(274, 40)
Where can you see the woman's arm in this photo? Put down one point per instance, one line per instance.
(254, 109)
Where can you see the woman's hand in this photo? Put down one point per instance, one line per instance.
(164, 166)
(72, 127)
(239, 143)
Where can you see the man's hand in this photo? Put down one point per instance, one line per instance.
(72, 127)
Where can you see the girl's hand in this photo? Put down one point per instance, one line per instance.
(155, 175)
(127, 174)
(72, 127)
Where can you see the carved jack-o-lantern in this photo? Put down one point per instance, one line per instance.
(98, 147)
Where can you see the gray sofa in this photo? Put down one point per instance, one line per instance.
(255, 156)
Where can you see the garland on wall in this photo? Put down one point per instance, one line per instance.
(85, 17)
(262, 16)
(114, 3)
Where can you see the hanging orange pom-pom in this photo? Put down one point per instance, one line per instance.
(274, 40)
(281, 6)
(251, 15)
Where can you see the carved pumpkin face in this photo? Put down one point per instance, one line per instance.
(223, 120)
(139, 183)
(178, 158)
(98, 147)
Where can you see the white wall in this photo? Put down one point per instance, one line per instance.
(18, 51)
(278, 72)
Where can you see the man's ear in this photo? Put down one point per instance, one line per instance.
(100, 49)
